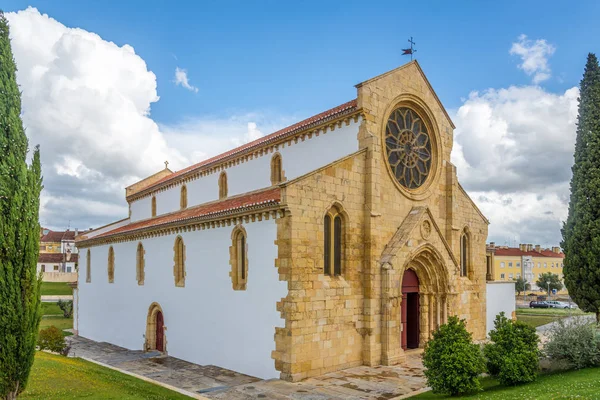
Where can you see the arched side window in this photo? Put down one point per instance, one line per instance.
(140, 263)
(333, 246)
(111, 265)
(276, 169)
(179, 259)
(223, 185)
(183, 197)
(465, 248)
(153, 206)
(238, 260)
(88, 266)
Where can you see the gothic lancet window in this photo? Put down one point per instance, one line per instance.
(333, 235)
(183, 198)
(153, 206)
(179, 259)
(464, 253)
(88, 266)
(111, 265)
(239, 258)
(276, 169)
(408, 147)
(223, 185)
(140, 264)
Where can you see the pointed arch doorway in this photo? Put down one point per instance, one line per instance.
(155, 329)
(409, 312)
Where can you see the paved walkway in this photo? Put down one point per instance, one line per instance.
(360, 383)
(545, 329)
(54, 298)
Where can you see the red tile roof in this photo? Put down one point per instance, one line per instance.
(517, 252)
(342, 109)
(57, 236)
(56, 258)
(266, 197)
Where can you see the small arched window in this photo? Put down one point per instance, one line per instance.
(88, 266)
(239, 258)
(276, 169)
(153, 206)
(179, 259)
(183, 197)
(333, 242)
(464, 253)
(223, 185)
(140, 263)
(111, 265)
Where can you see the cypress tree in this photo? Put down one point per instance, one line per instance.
(581, 231)
(20, 187)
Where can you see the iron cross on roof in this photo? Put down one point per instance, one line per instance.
(410, 51)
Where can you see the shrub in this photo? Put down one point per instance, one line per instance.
(66, 307)
(452, 360)
(576, 342)
(51, 339)
(512, 356)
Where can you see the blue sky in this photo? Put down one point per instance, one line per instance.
(106, 117)
(304, 57)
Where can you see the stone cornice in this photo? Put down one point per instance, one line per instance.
(293, 137)
(227, 218)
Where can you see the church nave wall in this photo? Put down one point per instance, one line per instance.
(207, 322)
(297, 159)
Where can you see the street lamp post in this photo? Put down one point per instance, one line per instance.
(548, 289)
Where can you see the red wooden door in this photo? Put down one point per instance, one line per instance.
(160, 332)
(409, 311)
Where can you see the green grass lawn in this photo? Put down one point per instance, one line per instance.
(60, 378)
(56, 288)
(51, 309)
(582, 384)
(59, 321)
(536, 320)
(549, 311)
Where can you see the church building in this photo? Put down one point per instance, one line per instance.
(339, 241)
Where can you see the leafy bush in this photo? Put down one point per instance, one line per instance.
(51, 339)
(66, 307)
(512, 356)
(452, 360)
(576, 342)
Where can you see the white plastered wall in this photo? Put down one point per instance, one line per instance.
(500, 297)
(297, 160)
(207, 321)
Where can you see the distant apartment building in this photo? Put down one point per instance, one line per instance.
(58, 255)
(528, 261)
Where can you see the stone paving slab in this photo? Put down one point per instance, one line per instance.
(359, 383)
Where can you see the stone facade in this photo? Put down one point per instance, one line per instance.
(355, 319)
(348, 306)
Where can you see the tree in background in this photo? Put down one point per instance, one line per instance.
(20, 187)
(581, 231)
(549, 280)
(521, 285)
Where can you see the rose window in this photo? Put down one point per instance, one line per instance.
(408, 147)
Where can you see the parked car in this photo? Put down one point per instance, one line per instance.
(539, 304)
(559, 304)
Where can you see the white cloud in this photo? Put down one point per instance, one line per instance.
(514, 150)
(534, 55)
(181, 79)
(87, 102)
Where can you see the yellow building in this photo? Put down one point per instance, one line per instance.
(56, 242)
(527, 261)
